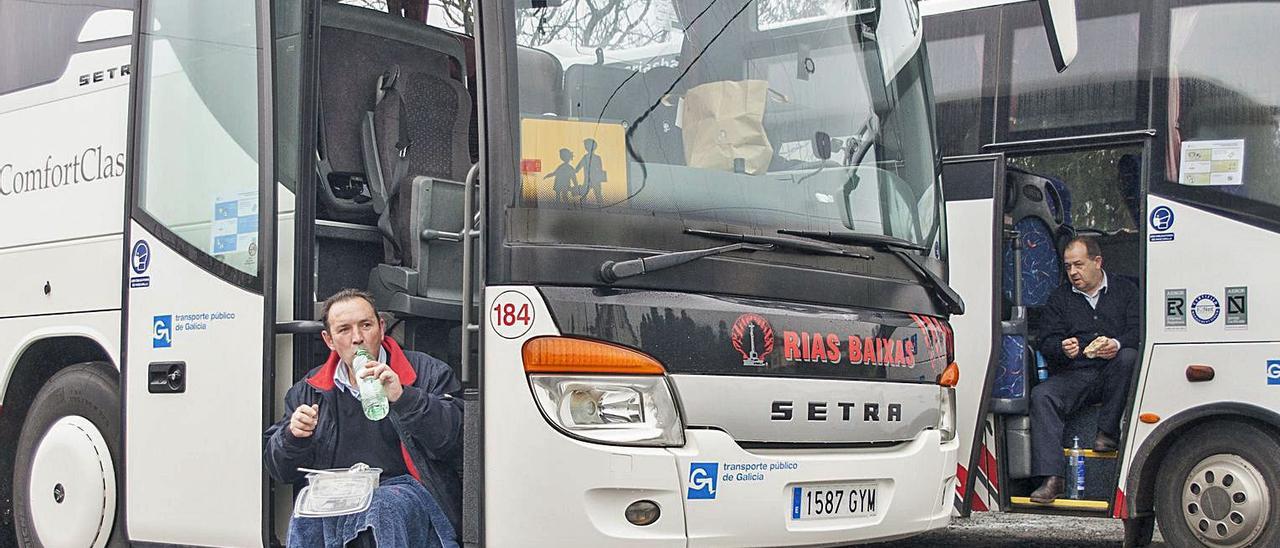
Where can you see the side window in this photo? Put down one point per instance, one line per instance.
(37, 39)
(1102, 91)
(962, 49)
(198, 117)
(1224, 137)
(1101, 185)
(453, 15)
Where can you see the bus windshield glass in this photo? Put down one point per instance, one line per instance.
(645, 118)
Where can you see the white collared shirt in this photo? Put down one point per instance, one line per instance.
(343, 382)
(1093, 299)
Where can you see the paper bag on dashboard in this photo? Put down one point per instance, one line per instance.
(724, 121)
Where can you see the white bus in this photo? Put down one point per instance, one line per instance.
(693, 299)
(1161, 142)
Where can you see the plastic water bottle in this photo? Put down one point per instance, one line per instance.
(373, 397)
(1042, 368)
(1076, 460)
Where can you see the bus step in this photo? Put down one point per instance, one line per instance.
(1091, 454)
(1063, 503)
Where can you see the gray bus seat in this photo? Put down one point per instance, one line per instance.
(358, 46)
(429, 283)
(420, 127)
(541, 82)
(622, 95)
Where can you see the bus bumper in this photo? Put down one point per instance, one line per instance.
(755, 499)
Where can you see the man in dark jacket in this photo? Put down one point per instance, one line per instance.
(324, 425)
(1090, 336)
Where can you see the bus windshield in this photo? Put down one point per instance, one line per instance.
(747, 116)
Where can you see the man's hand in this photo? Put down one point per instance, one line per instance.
(1071, 347)
(1109, 350)
(390, 380)
(303, 421)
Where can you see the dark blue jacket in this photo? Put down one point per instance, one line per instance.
(427, 418)
(1068, 314)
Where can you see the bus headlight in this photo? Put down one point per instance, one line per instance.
(947, 420)
(611, 409)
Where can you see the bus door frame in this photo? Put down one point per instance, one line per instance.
(978, 190)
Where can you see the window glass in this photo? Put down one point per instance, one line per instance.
(956, 65)
(748, 116)
(962, 50)
(1102, 186)
(1100, 87)
(1224, 99)
(199, 151)
(455, 15)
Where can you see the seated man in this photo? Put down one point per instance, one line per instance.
(1090, 336)
(418, 502)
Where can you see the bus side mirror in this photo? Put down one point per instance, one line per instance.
(1060, 26)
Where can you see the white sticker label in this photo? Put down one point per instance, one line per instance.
(1212, 163)
(511, 315)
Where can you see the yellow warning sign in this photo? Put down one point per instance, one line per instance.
(572, 162)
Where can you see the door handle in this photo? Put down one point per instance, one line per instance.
(167, 377)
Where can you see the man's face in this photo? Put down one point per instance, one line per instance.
(353, 323)
(1085, 273)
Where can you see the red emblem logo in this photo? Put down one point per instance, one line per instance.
(759, 339)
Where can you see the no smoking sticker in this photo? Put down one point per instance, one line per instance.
(511, 315)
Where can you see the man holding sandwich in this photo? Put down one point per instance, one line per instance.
(1090, 336)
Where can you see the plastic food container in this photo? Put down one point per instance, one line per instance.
(336, 492)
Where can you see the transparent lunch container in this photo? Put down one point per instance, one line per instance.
(336, 492)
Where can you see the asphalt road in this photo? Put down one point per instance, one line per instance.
(1001, 530)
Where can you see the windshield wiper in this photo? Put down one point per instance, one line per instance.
(790, 243)
(613, 271)
(899, 247)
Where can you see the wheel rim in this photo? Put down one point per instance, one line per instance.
(72, 491)
(1225, 501)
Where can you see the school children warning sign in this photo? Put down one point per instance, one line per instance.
(573, 163)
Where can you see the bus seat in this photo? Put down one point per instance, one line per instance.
(419, 128)
(429, 282)
(1040, 208)
(622, 95)
(541, 82)
(1040, 211)
(359, 45)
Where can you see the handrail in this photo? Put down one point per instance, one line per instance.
(468, 237)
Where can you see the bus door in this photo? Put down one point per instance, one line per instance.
(199, 294)
(974, 191)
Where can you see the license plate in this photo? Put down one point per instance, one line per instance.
(835, 500)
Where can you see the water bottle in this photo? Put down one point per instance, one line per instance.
(1076, 460)
(1042, 368)
(373, 397)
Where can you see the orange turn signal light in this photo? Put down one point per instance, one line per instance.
(570, 355)
(1149, 418)
(950, 376)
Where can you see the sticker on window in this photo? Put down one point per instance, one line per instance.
(1212, 163)
(234, 229)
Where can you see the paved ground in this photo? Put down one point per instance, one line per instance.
(999, 530)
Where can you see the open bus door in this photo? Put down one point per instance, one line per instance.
(974, 191)
(199, 296)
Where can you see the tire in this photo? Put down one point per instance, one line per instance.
(73, 418)
(1218, 488)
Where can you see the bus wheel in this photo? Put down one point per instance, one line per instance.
(1216, 488)
(64, 478)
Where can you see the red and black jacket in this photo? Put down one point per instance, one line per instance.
(427, 418)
